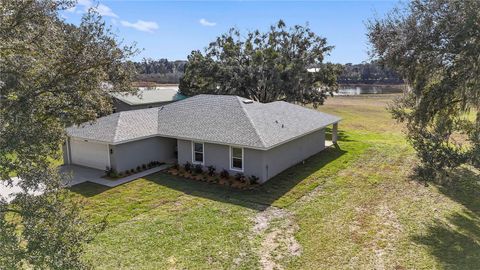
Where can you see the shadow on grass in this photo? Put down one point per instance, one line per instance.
(88, 189)
(464, 188)
(295, 180)
(341, 135)
(456, 243)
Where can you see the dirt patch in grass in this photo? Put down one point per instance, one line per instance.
(276, 228)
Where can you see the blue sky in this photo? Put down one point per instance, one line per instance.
(172, 29)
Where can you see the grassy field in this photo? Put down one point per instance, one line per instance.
(356, 206)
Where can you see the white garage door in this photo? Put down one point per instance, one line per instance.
(89, 154)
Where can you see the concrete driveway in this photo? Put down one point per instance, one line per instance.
(76, 175)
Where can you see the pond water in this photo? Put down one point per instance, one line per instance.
(351, 90)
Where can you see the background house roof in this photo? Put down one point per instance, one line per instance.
(210, 118)
(148, 96)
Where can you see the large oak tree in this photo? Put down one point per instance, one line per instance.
(52, 75)
(264, 66)
(435, 45)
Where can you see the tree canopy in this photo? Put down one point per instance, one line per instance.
(264, 66)
(435, 45)
(368, 73)
(52, 75)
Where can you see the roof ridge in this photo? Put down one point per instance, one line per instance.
(262, 141)
(117, 125)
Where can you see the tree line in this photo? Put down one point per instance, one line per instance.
(368, 73)
(165, 71)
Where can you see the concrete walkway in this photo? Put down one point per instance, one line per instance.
(82, 174)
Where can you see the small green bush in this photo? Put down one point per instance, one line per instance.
(253, 179)
(188, 167)
(211, 170)
(198, 169)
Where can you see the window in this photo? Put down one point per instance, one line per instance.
(236, 158)
(197, 152)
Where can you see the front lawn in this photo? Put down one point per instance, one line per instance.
(355, 206)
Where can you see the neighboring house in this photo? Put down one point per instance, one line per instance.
(146, 98)
(227, 132)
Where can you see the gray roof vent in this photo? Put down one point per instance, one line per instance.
(247, 101)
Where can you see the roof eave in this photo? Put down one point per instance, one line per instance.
(301, 135)
(263, 148)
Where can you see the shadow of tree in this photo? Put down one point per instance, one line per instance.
(464, 188)
(263, 195)
(88, 189)
(341, 135)
(456, 242)
(296, 181)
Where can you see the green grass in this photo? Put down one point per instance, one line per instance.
(356, 206)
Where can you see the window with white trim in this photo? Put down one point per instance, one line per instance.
(236, 158)
(197, 156)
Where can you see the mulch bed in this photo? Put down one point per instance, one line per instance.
(215, 179)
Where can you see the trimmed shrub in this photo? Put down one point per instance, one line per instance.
(224, 174)
(198, 169)
(211, 170)
(253, 179)
(144, 166)
(188, 167)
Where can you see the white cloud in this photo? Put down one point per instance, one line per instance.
(71, 10)
(141, 25)
(204, 22)
(105, 11)
(100, 8)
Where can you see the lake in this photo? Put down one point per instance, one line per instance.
(352, 90)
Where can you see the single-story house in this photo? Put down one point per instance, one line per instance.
(146, 98)
(227, 132)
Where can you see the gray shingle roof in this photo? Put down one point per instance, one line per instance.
(210, 118)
